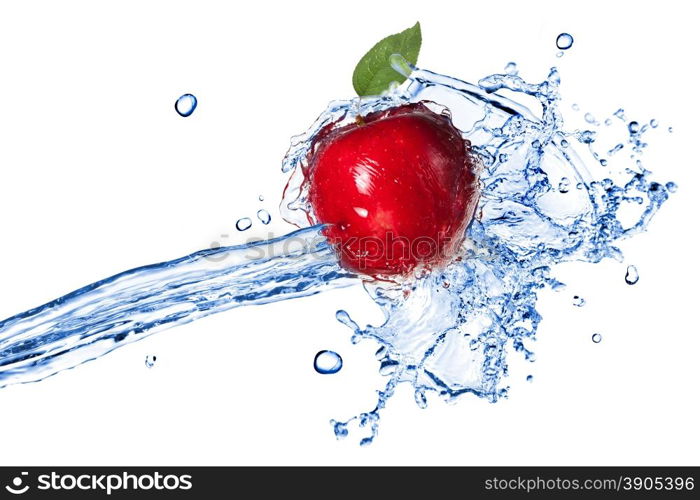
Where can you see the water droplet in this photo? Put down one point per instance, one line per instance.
(597, 337)
(529, 378)
(633, 127)
(185, 105)
(261, 198)
(327, 362)
(340, 429)
(503, 157)
(244, 224)
(672, 187)
(560, 53)
(420, 398)
(604, 162)
(632, 276)
(564, 185)
(620, 113)
(511, 68)
(608, 122)
(586, 137)
(150, 360)
(564, 143)
(670, 130)
(579, 301)
(654, 123)
(575, 107)
(589, 118)
(565, 41)
(264, 216)
(579, 185)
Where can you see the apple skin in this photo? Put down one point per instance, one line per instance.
(397, 190)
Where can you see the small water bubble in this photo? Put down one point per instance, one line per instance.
(633, 127)
(672, 187)
(264, 216)
(185, 105)
(579, 301)
(654, 123)
(596, 337)
(261, 198)
(589, 118)
(575, 107)
(564, 185)
(511, 69)
(150, 360)
(564, 41)
(529, 378)
(327, 362)
(244, 224)
(632, 276)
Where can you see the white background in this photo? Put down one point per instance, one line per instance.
(98, 174)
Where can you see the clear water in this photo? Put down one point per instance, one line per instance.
(327, 362)
(185, 105)
(546, 199)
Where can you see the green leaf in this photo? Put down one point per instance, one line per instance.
(374, 74)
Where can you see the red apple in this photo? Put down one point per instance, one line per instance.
(396, 189)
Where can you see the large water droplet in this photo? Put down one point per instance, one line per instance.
(264, 216)
(632, 276)
(150, 360)
(327, 362)
(185, 105)
(565, 41)
(579, 301)
(244, 224)
(596, 337)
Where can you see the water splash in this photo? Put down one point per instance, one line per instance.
(327, 362)
(454, 340)
(185, 105)
(446, 333)
(103, 316)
